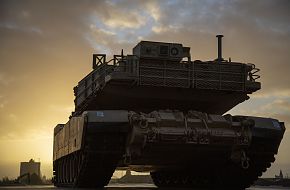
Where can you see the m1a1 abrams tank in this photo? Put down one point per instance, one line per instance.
(159, 112)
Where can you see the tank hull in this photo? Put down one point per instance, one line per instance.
(188, 150)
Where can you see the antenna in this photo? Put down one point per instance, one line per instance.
(220, 58)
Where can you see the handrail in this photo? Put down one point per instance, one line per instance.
(252, 74)
(102, 74)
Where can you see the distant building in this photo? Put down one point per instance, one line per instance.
(280, 176)
(30, 167)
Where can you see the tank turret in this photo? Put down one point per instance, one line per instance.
(126, 82)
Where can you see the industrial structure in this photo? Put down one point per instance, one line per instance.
(30, 167)
(30, 173)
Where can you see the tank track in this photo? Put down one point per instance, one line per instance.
(228, 175)
(92, 167)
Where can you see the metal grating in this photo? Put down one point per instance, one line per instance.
(151, 81)
(206, 67)
(182, 83)
(206, 84)
(207, 75)
(232, 86)
(164, 73)
(232, 77)
(152, 63)
(151, 72)
(231, 68)
(177, 73)
(174, 65)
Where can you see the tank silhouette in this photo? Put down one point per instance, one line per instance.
(157, 111)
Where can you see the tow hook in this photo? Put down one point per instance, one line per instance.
(244, 160)
(240, 157)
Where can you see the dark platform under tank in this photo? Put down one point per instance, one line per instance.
(146, 99)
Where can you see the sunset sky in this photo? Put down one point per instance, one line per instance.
(46, 47)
